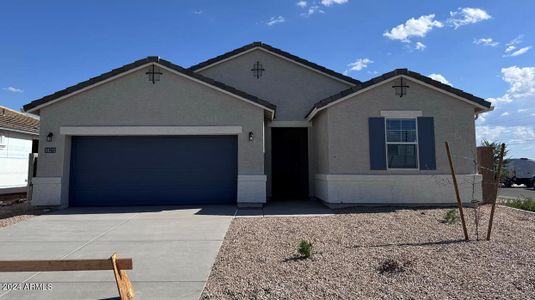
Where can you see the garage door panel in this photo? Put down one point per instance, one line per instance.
(153, 170)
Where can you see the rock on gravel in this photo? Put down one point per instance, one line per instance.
(258, 258)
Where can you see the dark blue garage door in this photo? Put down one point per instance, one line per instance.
(155, 170)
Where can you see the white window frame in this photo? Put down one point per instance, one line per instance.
(416, 143)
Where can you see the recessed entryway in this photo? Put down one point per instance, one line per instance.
(289, 155)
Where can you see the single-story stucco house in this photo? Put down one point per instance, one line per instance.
(252, 125)
(19, 136)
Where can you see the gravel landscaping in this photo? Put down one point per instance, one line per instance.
(15, 208)
(396, 254)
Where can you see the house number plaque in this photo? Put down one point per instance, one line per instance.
(50, 149)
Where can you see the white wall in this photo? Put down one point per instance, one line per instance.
(14, 159)
(396, 189)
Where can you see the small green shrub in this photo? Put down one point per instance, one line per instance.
(305, 249)
(451, 217)
(524, 203)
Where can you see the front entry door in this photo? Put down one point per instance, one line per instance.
(289, 156)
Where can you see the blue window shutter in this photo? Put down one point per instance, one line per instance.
(426, 143)
(376, 132)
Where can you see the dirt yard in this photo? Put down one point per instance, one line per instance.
(15, 208)
(400, 254)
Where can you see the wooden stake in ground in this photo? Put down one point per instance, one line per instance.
(124, 286)
(498, 176)
(459, 203)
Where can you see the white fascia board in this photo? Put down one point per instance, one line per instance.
(148, 130)
(316, 110)
(277, 55)
(18, 131)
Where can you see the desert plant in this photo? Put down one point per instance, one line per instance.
(524, 203)
(451, 217)
(392, 266)
(305, 249)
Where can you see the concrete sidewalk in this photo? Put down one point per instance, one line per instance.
(173, 250)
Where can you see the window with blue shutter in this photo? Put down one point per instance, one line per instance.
(426, 143)
(376, 133)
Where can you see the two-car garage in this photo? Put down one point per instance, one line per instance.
(153, 170)
(121, 139)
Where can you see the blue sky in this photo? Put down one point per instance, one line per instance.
(482, 47)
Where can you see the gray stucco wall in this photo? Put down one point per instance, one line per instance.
(293, 88)
(320, 143)
(134, 101)
(348, 150)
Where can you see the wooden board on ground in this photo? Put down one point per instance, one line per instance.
(126, 290)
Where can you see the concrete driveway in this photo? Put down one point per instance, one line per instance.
(173, 250)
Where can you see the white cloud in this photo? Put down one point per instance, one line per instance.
(512, 45)
(331, 2)
(486, 42)
(510, 48)
(311, 10)
(13, 89)
(302, 4)
(420, 46)
(467, 15)
(517, 40)
(521, 51)
(198, 12)
(502, 124)
(521, 81)
(440, 78)
(413, 28)
(316, 7)
(275, 20)
(359, 64)
(491, 133)
(507, 134)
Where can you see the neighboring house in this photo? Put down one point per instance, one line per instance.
(252, 125)
(19, 136)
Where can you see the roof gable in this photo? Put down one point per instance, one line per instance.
(139, 64)
(274, 51)
(478, 102)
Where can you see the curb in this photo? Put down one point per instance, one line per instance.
(530, 213)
